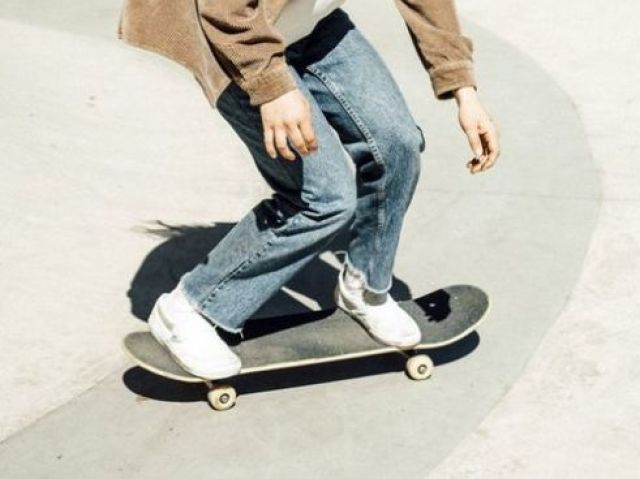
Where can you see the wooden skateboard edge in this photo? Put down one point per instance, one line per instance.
(326, 359)
(187, 378)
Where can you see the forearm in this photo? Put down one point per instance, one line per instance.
(248, 46)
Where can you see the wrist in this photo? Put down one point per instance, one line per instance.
(464, 93)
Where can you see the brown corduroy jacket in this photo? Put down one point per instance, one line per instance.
(221, 40)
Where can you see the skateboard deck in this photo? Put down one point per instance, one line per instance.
(445, 316)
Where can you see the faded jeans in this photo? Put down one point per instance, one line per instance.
(356, 108)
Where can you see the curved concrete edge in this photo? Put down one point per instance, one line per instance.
(574, 411)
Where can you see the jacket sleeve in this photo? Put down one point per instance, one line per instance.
(445, 53)
(248, 46)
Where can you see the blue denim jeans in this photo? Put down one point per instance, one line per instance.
(359, 115)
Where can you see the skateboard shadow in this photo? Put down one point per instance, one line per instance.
(187, 245)
(147, 385)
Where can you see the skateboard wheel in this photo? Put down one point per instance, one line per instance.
(221, 397)
(419, 367)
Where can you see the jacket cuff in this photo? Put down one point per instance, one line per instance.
(269, 85)
(449, 77)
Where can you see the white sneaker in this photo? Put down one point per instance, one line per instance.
(386, 322)
(190, 338)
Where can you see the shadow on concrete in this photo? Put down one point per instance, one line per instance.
(150, 386)
(187, 245)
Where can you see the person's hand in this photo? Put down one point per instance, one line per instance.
(289, 115)
(481, 132)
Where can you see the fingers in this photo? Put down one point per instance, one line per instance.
(301, 136)
(268, 143)
(308, 134)
(287, 125)
(474, 140)
(297, 140)
(486, 135)
(280, 135)
(476, 147)
(472, 164)
(492, 148)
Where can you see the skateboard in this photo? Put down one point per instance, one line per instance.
(445, 316)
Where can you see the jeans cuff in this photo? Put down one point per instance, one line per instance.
(196, 306)
(364, 278)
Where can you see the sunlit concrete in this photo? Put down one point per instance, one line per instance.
(574, 412)
(105, 140)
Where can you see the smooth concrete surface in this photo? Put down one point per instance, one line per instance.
(104, 141)
(574, 411)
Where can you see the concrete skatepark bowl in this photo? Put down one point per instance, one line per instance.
(105, 204)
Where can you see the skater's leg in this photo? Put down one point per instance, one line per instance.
(362, 102)
(314, 197)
